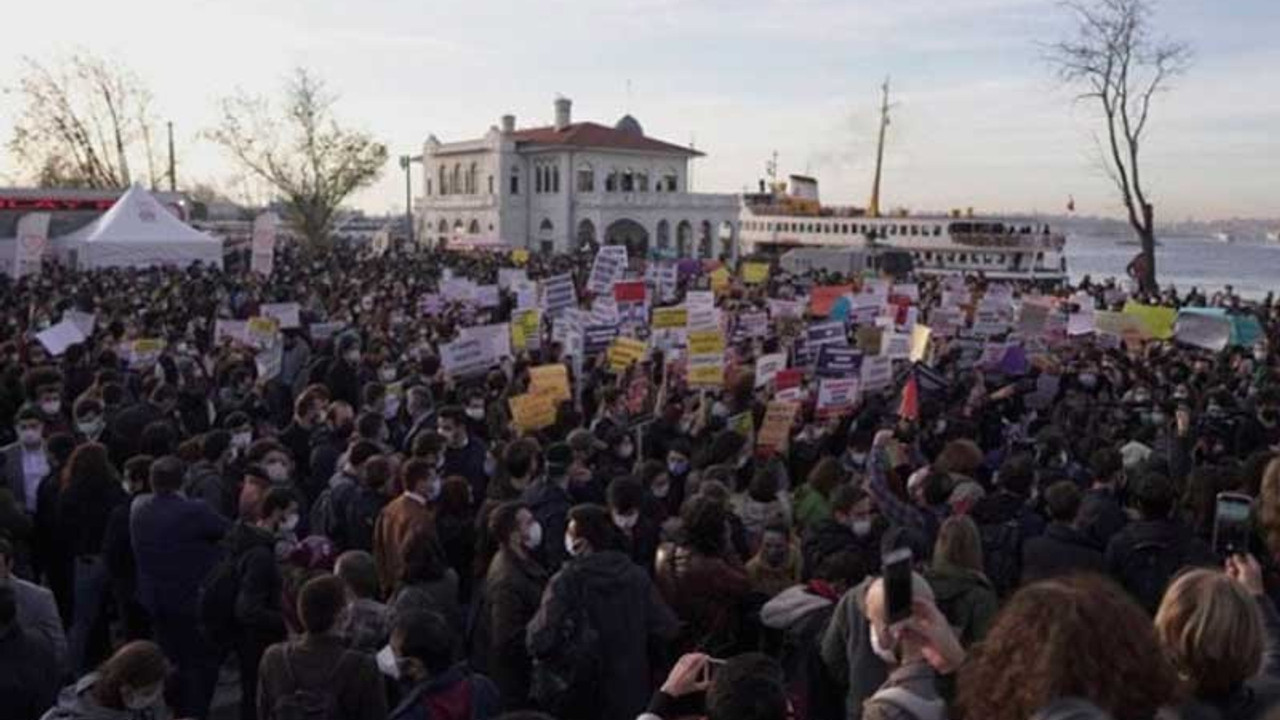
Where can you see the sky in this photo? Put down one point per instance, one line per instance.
(979, 118)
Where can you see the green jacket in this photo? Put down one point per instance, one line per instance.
(966, 597)
(810, 507)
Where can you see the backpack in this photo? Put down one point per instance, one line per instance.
(217, 602)
(303, 703)
(363, 508)
(1146, 572)
(913, 705)
(324, 519)
(565, 680)
(1002, 554)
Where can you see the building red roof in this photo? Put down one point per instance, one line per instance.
(593, 135)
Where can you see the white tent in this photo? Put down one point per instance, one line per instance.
(139, 231)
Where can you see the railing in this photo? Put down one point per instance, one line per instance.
(655, 200)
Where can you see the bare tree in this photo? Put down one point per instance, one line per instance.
(1119, 65)
(312, 162)
(83, 120)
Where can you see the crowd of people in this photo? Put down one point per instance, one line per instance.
(356, 531)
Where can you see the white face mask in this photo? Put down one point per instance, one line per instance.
(353, 357)
(888, 654)
(30, 436)
(861, 528)
(278, 472)
(626, 522)
(387, 375)
(475, 413)
(290, 522)
(533, 536)
(661, 490)
(571, 545)
(434, 486)
(90, 428)
(391, 408)
(386, 659)
(51, 407)
(242, 440)
(142, 699)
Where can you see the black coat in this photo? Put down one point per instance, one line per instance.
(259, 612)
(1062, 550)
(512, 593)
(625, 609)
(830, 536)
(1146, 549)
(28, 675)
(1101, 516)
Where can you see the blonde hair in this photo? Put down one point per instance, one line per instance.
(959, 544)
(1269, 507)
(1211, 629)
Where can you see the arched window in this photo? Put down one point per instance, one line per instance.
(642, 181)
(428, 186)
(474, 227)
(515, 181)
(444, 226)
(628, 181)
(472, 188)
(611, 181)
(555, 178)
(670, 180)
(490, 184)
(455, 182)
(444, 182)
(537, 180)
(586, 179)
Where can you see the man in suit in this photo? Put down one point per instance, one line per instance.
(26, 462)
(37, 610)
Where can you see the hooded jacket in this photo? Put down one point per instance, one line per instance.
(76, 702)
(1062, 550)
(847, 653)
(512, 591)
(624, 608)
(258, 598)
(967, 598)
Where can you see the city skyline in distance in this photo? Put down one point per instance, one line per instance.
(980, 120)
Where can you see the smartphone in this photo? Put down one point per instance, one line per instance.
(896, 570)
(709, 670)
(1231, 527)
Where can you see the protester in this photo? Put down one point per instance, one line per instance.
(28, 670)
(405, 516)
(367, 623)
(955, 575)
(1065, 548)
(426, 581)
(129, 685)
(438, 689)
(316, 670)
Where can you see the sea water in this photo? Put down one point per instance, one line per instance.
(1250, 267)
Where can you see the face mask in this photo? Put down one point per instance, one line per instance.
(889, 654)
(533, 536)
(391, 408)
(387, 663)
(278, 472)
(51, 407)
(661, 490)
(142, 699)
(387, 375)
(242, 440)
(861, 528)
(434, 486)
(475, 413)
(626, 522)
(90, 428)
(571, 545)
(490, 465)
(1088, 380)
(678, 467)
(353, 357)
(290, 523)
(625, 450)
(30, 436)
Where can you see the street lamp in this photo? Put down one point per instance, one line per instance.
(405, 162)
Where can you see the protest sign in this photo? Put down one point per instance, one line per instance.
(836, 396)
(84, 321)
(754, 325)
(596, 338)
(57, 338)
(1081, 323)
(458, 290)
(920, 335)
(895, 346)
(558, 293)
(838, 362)
(269, 361)
(234, 330)
(695, 299)
(625, 351)
(705, 342)
(526, 329)
(531, 413)
(608, 268)
(631, 291)
(263, 244)
(1032, 318)
(670, 317)
(262, 332)
(755, 273)
(604, 310)
(520, 257)
(869, 339)
(550, 380)
(706, 371)
(465, 357)
(703, 318)
(1208, 332)
(719, 280)
(507, 277)
(779, 309)
(768, 366)
(1127, 327)
(30, 244)
(744, 423)
(827, 333)
(775, 430)
(1158, 321)
(497, 335)
(288, 315)
(323, 331)
(666, 279)
(526, 292)
(824, 296)
(144, 352)
(485, 296)
(877, 373)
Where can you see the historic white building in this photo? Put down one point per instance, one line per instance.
(557, 187)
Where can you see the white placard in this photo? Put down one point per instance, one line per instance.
(289, 315)
(768, 366)
(58, 338)
(877, 373)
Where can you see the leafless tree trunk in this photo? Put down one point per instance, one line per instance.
(82, 120)
(312, 162)
(1119, 67)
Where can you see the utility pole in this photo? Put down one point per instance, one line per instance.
(173, 178)
(406, 162)
(873, 209)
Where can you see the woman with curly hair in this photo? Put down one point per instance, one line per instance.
(1080, 636)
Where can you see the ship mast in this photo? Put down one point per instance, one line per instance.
(873, 209)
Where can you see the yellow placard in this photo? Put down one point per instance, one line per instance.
(550, 380)
(775, 431)
(532, 412)
(719, 280)
(624, 351)
(706, 375)
(744, 424)
(920, 335)
(706, 342)
(755, 273)
(520, 256)
(1157, 320)
(525, 324)
(670, 317)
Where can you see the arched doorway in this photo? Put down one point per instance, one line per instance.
(727, 240)
(630, 233)
(664, 238)
(443, 227)
(546, 235)
(586, 234)
(684, 239)
(704, 240)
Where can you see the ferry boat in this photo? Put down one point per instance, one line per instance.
(783, 216)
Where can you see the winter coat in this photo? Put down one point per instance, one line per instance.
(76, 702)
(400, 519)
(1062, 550)
(830, 537)
(175, 543)
(1101, 516)
(707, 594)
(966, 598)
(456, 695)
(28, 674)
(550, 505)
(1174, 544)
(512, 594)
(259, 612)
(801, 613)
(847, 653)
(811, 507)
(440, 596)
(205, 481)
(322, 663)
(625, 610)
(910, 693)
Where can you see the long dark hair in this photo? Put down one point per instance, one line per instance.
(423, 559)
(89, 471)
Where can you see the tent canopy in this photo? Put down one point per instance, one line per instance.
(139, 231)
